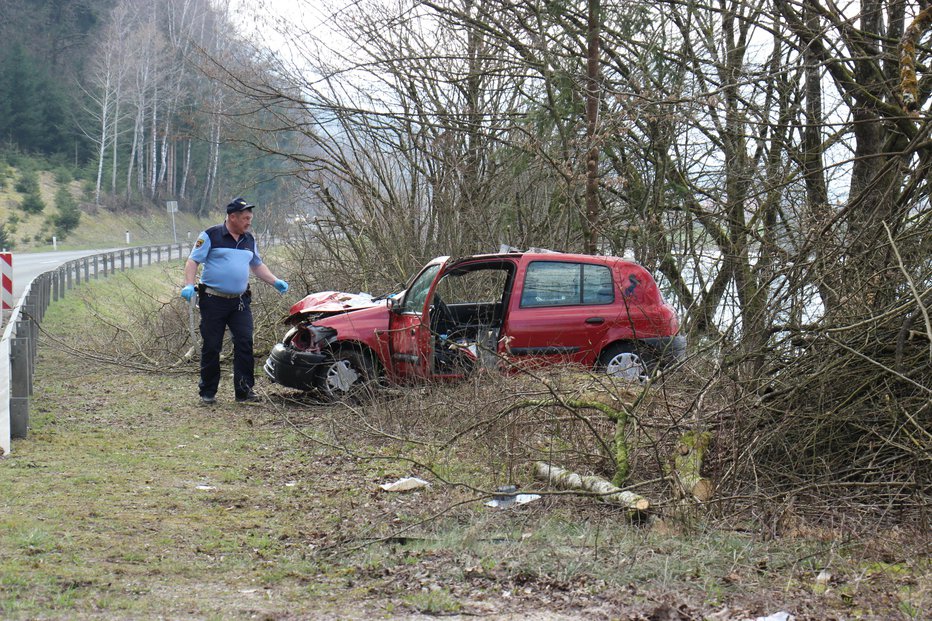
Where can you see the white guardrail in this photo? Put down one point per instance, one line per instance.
(19, 344)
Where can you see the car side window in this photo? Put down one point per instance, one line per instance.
(551, 283)
(416, 294)
(598, 287)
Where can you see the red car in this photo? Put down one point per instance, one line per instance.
(456, 314)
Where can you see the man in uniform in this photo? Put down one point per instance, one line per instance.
(228, 253)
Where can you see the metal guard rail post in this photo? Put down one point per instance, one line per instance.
(20, 340)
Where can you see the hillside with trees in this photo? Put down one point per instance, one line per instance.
(115, 91)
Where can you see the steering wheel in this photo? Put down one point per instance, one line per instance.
(444, 321)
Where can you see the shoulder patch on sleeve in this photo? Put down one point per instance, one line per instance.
(199, 242)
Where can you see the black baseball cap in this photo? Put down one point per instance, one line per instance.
(239, 204)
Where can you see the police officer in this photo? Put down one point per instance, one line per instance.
(228, 253)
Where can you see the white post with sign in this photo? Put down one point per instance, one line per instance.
(172, 208)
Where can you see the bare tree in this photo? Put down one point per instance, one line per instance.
(102, 87)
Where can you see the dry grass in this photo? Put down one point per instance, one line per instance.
(130, 501)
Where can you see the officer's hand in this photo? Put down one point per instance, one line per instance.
(281, 286)
(187, 292)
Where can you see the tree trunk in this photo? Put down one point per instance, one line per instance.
(153, 144)
(185, 171)
(686, 465)
(592, 126)
(600, 488)
(102, 146)
(116, 130)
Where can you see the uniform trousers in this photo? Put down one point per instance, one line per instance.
(218, 313)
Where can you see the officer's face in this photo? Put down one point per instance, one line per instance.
(239, 222)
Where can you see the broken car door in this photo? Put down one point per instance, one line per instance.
(409, 336)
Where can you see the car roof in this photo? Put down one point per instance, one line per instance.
(543, 256)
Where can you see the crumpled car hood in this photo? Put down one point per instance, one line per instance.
(326, 303)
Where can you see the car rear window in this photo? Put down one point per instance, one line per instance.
(551, 283)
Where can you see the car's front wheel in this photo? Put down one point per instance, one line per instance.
(348, 373)
(621, 360)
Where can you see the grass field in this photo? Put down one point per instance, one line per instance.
(130, 500)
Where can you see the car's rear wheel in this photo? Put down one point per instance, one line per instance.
(621, 360)
(348, 373)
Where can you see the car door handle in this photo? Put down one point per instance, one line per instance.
(595, 321)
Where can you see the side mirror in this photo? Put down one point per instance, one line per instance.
(396, 301)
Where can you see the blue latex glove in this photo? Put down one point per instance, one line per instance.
(187, 292)
(281, 285)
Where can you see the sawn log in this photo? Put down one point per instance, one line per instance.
(603, 490)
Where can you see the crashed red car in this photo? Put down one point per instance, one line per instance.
(459, 314)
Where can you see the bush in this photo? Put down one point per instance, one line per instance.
(28, 182)
(63, 175)
(12, 157)
(32, 203)
(68, 215)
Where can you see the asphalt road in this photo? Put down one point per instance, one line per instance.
(27, 266)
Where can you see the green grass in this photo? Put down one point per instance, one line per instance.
(433, 602)
(129, 500)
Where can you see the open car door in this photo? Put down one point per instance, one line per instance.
(410, 340)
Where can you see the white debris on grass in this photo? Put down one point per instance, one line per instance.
(404, 485)
(518, 499)
(777, 616)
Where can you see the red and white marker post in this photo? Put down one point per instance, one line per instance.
(6, 268)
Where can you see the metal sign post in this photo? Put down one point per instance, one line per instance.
(172, 208)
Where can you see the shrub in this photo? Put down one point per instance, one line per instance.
(32, 203)
(12, 157)
(28, 182)
(63, 175)
(68, 215)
